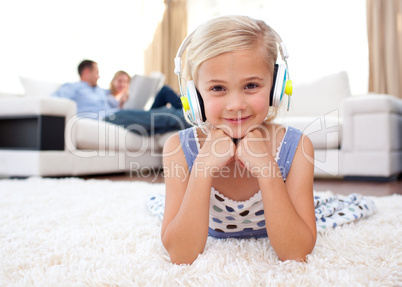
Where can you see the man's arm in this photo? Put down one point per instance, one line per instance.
(65, 91)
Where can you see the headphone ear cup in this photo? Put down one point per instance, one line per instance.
(271, 94)
(196, 103)
(202, 108)
(278, 86)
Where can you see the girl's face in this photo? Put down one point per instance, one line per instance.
(235, 88)
(121, 83)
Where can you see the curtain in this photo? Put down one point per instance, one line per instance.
(384, 28)
(160, 54)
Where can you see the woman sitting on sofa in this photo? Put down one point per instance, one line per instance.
(118, 90)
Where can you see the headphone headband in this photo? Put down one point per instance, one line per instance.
(182, 48)
(178, 62)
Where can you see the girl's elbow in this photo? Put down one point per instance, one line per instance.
(293, 258)
(182, 260)
(299, 257)
(178, 255)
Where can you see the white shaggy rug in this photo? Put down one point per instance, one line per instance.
(72, 232)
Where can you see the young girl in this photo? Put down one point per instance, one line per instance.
(239, 174)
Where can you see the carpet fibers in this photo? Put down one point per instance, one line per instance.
(74, 232)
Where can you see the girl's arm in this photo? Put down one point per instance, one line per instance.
(289, 207)
(186, 217)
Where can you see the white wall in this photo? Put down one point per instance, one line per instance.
(46, 39)
(322, 37)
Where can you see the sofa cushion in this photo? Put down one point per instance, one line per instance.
(90, 134)
(324, 132)
(317, 98)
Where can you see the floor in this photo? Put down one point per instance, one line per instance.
(336, 185)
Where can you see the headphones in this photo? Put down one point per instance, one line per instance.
(193, 104)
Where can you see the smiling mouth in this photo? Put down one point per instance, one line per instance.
(237, 120)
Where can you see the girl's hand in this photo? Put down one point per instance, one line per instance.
(252, 153)
(218, 149)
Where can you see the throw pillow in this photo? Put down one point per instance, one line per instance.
(38, 88)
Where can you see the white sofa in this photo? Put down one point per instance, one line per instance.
(353, 136)
(90, 146)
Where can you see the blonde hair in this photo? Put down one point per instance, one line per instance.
(228, 34)
(117, 74)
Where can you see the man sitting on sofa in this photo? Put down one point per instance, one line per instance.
(92, 102)
(90, 98)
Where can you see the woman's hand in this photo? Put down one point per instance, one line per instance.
(123, 99)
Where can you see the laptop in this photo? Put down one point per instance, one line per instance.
(143, 90)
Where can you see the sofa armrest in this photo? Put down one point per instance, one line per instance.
(371, 122)
(10, 95)
(48, 106)
(371, 136)
(35, 123)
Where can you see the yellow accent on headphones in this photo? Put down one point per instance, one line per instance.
(289, 88)
(184, 102)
